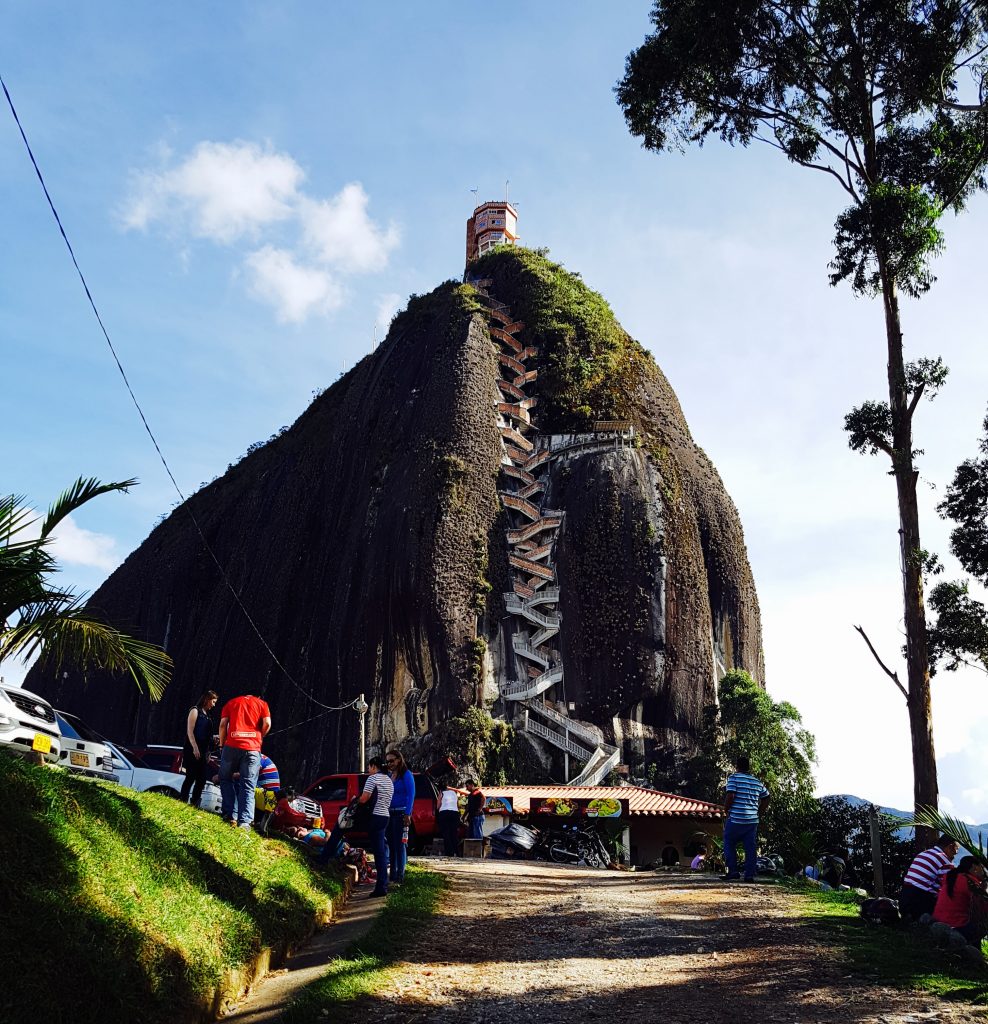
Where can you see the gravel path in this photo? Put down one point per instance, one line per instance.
(517, 942)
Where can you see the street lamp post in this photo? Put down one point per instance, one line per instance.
(361, 707)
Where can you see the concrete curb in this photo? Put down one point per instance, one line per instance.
(238, 983)
(264, 1000)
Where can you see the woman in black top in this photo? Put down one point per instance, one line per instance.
(198, 738)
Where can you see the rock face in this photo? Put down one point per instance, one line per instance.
(367, 543)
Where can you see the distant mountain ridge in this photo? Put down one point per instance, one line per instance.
(904, 833)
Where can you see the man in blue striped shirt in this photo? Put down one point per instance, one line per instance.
(745, 802)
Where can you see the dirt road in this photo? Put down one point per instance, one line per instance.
(517, 942)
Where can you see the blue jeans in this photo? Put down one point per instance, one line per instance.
(239, 791)
(397, 850)
(377, 833)
(477, 827)
(740, 832)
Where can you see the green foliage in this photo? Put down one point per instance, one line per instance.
(585, 354)
(366, 967)
(870, 424)
(960, 634)
(781, 751)
(966, 503)
(866, 94)
(843, 829)
(480, 743)
(137, 898)
(37, 617)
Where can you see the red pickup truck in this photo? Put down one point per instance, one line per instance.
(334, 792)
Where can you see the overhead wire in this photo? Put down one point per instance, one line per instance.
(147, 427)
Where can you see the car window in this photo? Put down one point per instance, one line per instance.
(329, 789)
(136, 762)
(424, 788)
(77, 728)
(65, 728)
(161, 762)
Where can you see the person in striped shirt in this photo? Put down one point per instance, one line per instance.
(746, 800)
(378, 790)
(921, 886)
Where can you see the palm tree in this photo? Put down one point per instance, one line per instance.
(954, 828)
(38, 618)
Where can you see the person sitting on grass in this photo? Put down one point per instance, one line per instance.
(961, 900)
(921, 886)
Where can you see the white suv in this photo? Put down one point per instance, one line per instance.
(84, 751)
(27, 723)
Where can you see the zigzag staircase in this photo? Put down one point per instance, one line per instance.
(533, 601)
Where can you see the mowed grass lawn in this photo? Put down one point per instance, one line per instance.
(368, 966)
(120, 907)
(904, 956)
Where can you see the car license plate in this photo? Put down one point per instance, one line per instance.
(80, 760)
(42, 743)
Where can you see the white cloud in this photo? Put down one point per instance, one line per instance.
(229, 192)
(294, 290)
(342, 235)
(387, 306)
(223, 191)
(74, 545)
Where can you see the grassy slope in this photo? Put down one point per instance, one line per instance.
(368, 966)
(138, 899)
(904, 957)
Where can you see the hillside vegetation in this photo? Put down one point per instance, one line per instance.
(121, 906)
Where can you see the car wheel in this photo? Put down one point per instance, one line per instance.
(415, 844)
(165, 791)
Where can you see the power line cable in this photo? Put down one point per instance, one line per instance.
(140, 412)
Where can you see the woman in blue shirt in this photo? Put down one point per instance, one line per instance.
(401, 814)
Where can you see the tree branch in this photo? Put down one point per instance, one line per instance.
(894, 676)
(914, 401)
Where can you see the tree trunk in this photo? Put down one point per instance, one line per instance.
(925, 790)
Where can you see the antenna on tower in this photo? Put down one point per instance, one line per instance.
(506, 184)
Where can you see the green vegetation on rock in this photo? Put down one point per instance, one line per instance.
(587, 358)
(121, 906)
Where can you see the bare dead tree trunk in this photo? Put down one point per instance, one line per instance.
(925, 789)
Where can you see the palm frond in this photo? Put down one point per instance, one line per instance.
(954, 828)
(15, 517)
(63, 634)
(76, 495)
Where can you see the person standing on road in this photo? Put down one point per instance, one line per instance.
(475, 810)
(921, 886)
(378, 790)
(746, 800)
(195, 749)
(244, 722)
(449, 819)
(402, 803)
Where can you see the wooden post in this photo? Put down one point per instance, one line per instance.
(876, 850)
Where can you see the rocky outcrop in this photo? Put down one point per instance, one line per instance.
(367, 543)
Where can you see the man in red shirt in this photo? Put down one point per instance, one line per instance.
(244, 722)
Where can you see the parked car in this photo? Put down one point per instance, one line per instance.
(334, 792)
(27, 723)
(83, 749)
(133, 773)
(165, 757)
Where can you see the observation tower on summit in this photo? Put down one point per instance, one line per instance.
(494, 223)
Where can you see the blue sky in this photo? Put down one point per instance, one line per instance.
(253, 189)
